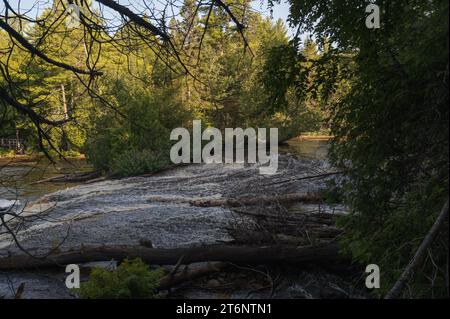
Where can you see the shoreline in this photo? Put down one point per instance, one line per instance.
(320, 137)
(24, 159)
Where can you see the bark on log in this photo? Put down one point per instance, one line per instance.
(397, 289)
(297, 219)
(258, 200)
(242, 201)
(191, 273)
(319, 218)
(319, 176)
(156, 256)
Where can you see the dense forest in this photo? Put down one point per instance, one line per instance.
(143, 95)
(114, 84)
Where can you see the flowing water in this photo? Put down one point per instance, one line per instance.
(18, 178)
(154, 208)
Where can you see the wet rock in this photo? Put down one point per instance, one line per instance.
(36, 286)
(5, 204)
(146, 243)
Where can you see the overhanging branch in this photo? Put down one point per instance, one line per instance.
(29, 47)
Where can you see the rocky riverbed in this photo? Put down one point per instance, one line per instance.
(154, 209)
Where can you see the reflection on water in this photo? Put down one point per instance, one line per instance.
(17, 178)
(308, 148)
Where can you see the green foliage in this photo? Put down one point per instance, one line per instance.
(386, 96)
(131, 280)
(55, 94)
(137, 142)
(283, 70)
(332, 193)
(6, 152)
(154, 102)
(135, 104)
(391, 237)
(393, 129)
(294, 78)
(134, 162)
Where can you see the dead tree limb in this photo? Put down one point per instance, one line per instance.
(258, 200)
(421, 252)
(318, 176)
(155, 256)
(27, 109)
(123, 10)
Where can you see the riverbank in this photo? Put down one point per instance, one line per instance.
(19, 175)
(25, 158)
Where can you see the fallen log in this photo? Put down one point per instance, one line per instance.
(323, 175)
(96, 180)
(72, 178)
(258, 200)
(241, 201)
(191, 273)
(158, 256)
(303, 218)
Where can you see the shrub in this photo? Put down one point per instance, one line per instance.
(7, 152)
(139, 142)
(135, 162)
(131, 280)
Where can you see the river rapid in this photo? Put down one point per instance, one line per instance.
(154, 209)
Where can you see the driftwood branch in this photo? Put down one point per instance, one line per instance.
(421, 252)
(156, 256)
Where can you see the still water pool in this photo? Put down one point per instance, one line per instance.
(18, 176)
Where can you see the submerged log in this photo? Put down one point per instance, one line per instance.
(158, 256)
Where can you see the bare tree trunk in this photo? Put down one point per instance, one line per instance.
(65, 141)
(65, 110)
(155, 256)
(421, 252)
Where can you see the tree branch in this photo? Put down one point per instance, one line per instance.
(28, 46)
(421, 252)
